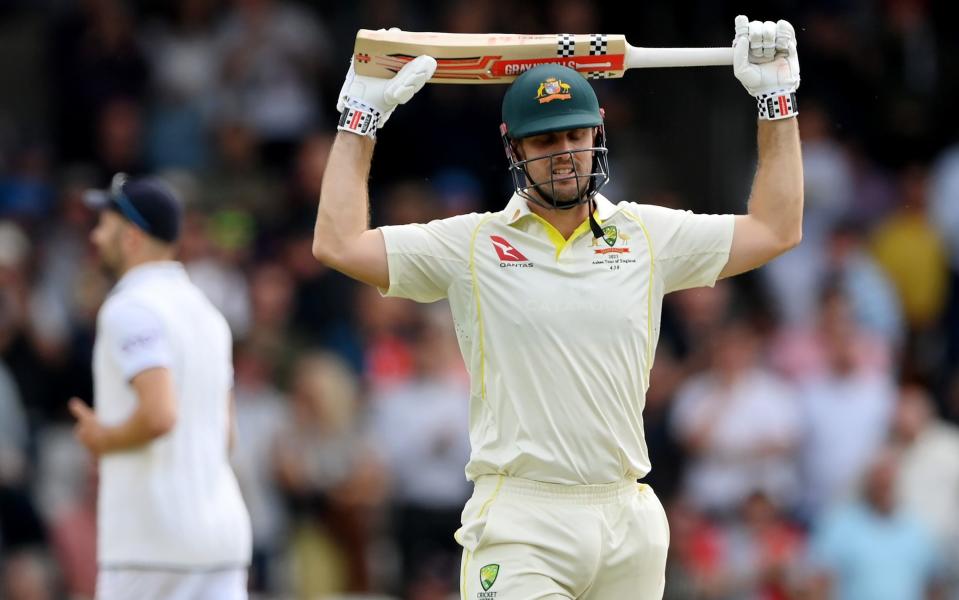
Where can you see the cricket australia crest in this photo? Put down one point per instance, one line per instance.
(488, 576)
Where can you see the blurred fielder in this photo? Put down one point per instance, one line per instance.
(557, 303)
(171, 522)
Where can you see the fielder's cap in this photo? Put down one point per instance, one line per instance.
(148, 203)
(549, 98)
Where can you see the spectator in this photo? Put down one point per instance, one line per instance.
(216, 270)
(739, 424)
(763, 552)
(874, 302)
(871, 548)
(182, 55)
(846, 410)
(96, 59)
(119, 138)
(330, 477)
(387, 356)
(694, 567)
(909, 249)
(261, 414)
(928, 482)
(427, 470)
(236, 178)
(944, 214)
(270, 53)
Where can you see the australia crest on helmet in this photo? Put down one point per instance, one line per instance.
(553, 89)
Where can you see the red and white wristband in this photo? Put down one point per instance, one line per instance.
(777, 105)
(359, 119)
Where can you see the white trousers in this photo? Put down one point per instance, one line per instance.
(147, 584)
(525, 540)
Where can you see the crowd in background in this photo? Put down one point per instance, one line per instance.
(801, 420)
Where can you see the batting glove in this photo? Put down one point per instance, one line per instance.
(766, 63)
(365, 103)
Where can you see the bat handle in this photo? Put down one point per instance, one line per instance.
(677, 57)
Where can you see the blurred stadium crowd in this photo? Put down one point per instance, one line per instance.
(802, 420)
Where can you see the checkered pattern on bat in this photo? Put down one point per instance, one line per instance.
(565, 44)
(598, 43)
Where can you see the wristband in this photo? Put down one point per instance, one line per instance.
(361, 121)
(777, 105)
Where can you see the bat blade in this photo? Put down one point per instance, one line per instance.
(488, 57)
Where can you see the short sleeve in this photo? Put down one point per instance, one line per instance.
(690, 249)
(425, 259)
(135, 338)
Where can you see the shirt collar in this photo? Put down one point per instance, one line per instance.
(151, 270)
(518, 207)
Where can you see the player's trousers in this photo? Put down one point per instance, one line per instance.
(526, 540)
(147, 584)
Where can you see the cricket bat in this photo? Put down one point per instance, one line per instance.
(500, 57)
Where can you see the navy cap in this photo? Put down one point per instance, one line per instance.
(148, 203)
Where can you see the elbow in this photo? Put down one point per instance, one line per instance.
(161, 423)
(319, 252)
(792, 239)
(322, 252)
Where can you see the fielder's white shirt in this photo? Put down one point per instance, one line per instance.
(174, 502)
(558, 335)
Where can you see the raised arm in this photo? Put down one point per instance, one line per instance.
(766, 62)
(342, 238)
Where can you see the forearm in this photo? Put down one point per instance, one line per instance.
(777, 195)
(343, 213)
(136, 431)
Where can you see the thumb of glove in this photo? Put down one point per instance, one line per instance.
(410, 80)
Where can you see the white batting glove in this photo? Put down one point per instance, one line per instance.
(365, 103)
(766, 63)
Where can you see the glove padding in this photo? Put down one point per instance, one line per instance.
(764, 57)
(367, 102)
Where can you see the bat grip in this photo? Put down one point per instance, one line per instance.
(677, 57)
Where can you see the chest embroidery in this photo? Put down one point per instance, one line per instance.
(612, 249)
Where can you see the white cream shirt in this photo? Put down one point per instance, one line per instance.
(173, 503)
(558, 334)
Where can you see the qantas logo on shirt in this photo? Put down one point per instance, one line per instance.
(508, 254)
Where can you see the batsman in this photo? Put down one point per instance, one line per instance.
(557, 301)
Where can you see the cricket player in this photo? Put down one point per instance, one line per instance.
(171, 523)
(556, 300)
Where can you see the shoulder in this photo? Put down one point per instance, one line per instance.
(651, 212)
(466, 222)
(453, 231)
(123, 310)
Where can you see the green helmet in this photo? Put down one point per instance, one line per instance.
(549, 98)
(545, 99)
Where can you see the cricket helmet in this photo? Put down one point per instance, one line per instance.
(546, 99)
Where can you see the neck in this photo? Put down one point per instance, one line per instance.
(565, 221)
(132, 263)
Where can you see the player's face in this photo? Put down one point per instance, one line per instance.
(565, 175)
(106, 237)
